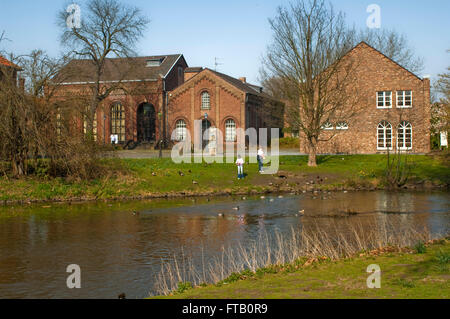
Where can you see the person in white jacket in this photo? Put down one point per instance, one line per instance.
(260, 157)
(240, 166)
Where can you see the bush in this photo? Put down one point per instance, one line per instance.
(420, 247)
(289, 142)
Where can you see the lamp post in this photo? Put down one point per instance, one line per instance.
(104, 129)
(160, 136)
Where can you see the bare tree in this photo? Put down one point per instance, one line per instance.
(39, 71)
(441, 109)
(306, 57)
(108, 29)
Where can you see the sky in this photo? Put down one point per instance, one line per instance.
(236, 32)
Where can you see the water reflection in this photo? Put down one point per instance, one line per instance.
(119, 251)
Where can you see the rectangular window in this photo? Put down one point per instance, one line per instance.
(94, 126)
(384, 99)
(404, 98)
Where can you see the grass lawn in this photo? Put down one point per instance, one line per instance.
(137, 178)
(403, 275)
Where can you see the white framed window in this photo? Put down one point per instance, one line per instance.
(404, 98)
(327, 126)
(230, 130)
(205, 101)
(404, 136)
(384, 99)
(181, 132)
(342, 126)
(384, 136)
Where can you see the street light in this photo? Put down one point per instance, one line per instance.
(160, 137)
(104, 129)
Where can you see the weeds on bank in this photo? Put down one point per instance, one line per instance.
(289, 253)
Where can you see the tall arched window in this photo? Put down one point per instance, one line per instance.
(205, 101)
(404, 136)
(118, 121)
(230, 130)
(384, 135)
(180, 128)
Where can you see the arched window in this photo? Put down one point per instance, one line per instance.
(180, 127)
(404, 136)
(384, 135)
(118, 121)
(230, 130)
(205, 101)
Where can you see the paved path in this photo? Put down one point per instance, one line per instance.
(167, 153)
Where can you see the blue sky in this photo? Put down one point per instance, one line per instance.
(234, 31)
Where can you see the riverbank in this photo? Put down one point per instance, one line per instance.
(154, 178)
(418, 272)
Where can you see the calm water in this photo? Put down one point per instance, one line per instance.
(119, 251)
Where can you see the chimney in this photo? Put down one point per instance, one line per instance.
(243, 79)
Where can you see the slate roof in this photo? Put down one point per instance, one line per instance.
(115, 69)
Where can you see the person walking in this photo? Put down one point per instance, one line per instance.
(260, 157)
(240, 166)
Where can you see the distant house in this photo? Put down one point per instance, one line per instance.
(395, 110)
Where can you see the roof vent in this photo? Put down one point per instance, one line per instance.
(154, 62)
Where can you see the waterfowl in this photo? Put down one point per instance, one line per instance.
(236, 208)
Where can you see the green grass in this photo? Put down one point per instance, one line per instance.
(403, 275)
(159, 177)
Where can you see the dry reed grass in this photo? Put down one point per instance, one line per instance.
(312, 242)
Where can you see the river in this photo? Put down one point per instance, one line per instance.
(119, 246)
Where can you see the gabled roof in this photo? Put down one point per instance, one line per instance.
(363, 43)
(119, 69)
(6, 62)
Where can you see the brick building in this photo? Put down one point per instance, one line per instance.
(395, 110)
(136, 107)
(160, 94)
(220, 101)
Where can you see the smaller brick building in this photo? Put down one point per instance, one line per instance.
(220, 101)
(395, 110)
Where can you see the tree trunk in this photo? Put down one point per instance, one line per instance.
(312, 152)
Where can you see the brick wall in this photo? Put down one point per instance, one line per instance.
(379, 73)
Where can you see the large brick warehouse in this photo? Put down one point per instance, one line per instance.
(394, 114)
